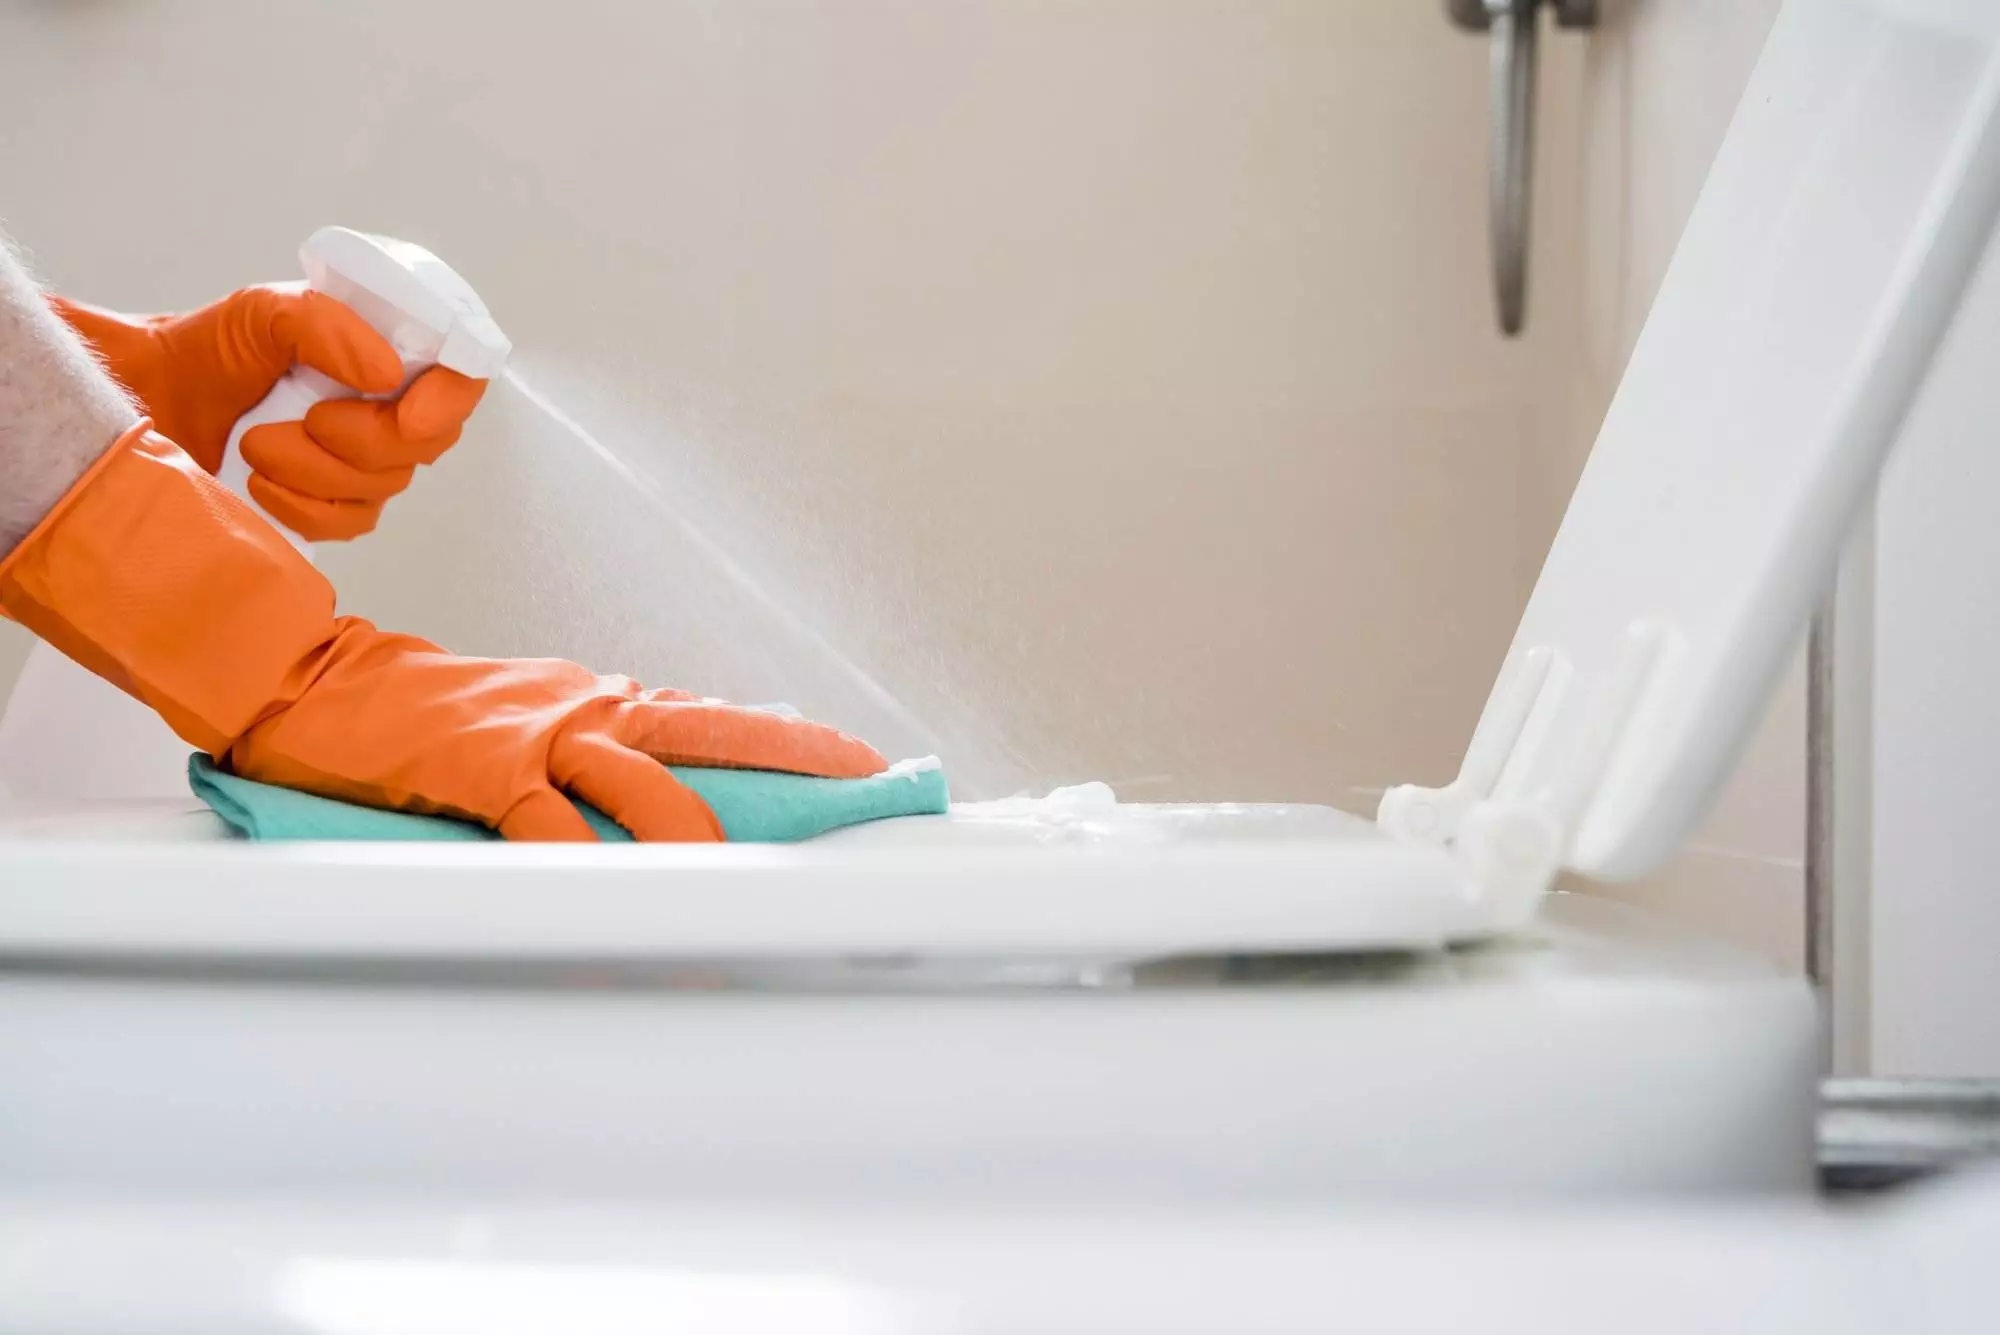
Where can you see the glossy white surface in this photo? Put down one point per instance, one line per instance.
(472, 1267)
(1599, 1055)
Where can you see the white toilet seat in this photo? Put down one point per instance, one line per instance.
(1022, 878)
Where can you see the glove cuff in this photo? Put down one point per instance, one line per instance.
(158, 579)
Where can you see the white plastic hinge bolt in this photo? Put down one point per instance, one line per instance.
(1434, 815)
(1511, 852)
(1423, 815)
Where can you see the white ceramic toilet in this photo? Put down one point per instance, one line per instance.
(1128, 1006)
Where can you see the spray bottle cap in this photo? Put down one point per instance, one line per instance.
(426, 311)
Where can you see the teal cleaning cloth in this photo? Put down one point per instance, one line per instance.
(754, 806)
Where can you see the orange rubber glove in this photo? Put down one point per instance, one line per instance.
(151, 574)
(327, 477)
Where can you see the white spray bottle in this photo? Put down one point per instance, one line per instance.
(66, 735)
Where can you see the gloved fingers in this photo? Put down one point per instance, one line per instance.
(634, 790)
(287, 455)
(414, 429)
(430, 412)
(545, 816)
(365, 433)
(730, 736)
(281, 325)
(312, 519)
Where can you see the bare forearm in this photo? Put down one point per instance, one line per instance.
(58, 409)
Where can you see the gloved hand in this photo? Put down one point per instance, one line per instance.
(151, 574)
(326, 478)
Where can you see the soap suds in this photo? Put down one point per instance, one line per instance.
(1077, 798)
(1076, 812)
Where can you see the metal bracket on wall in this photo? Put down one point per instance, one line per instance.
(1513, 24)
(1875, 1134)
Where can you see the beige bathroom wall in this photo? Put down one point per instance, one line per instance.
(1086, 388)
(1656, 90)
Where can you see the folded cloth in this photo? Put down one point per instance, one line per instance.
(754, 806)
